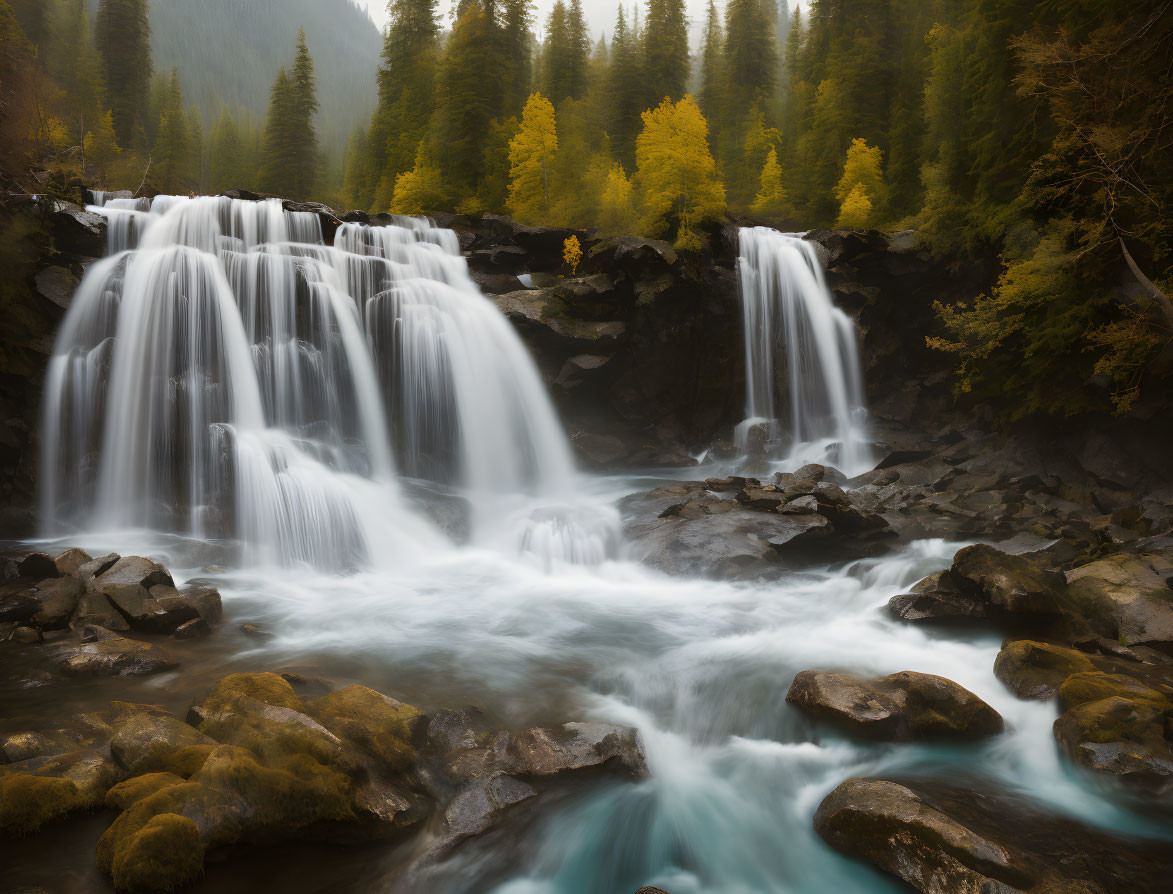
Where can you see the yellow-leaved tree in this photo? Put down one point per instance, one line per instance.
(530, 155)
(678, 182)
(421, 189)
(771, 198)
(617, 203)
(860, 190)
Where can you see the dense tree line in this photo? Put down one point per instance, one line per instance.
(82, 101)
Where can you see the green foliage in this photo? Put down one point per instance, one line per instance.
(291, 162)
(101, 146)
(123, 34)
(665, 51)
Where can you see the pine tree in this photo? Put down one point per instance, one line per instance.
(531, 155)
(617, 203)
(678, 182)
(559, 57)
(101, 146)
(278, 146)
(712, 66)
(76, 67)
(751, 55)
(123, 41)
(229, 157)
(406, 95)
(665, 50)
(172, 153)
(517, 47)
(624, 90)
(468, 99)
(308, 157)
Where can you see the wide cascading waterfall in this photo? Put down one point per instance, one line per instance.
(788, 313)
(225, 374)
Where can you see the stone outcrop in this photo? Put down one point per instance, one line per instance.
(940, 838)
(899, 707)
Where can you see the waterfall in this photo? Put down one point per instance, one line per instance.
(223, 373)
(788, 312)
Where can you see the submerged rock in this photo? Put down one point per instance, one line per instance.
(40, 790)
(901, 706)
(103, 653)
(939, 838)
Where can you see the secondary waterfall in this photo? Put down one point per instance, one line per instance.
(788, 312)
(223, 373)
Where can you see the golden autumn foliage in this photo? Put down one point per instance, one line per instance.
(771, 197)
(531, 153)
(679, 186)
(860, 190)
(617, 212)
(419, 190)
(572, 253)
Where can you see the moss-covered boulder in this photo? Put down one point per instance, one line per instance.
(376, 723)
(1034, 670)
(1127, 597)
(43, 789)
(1122, 737)
(135, 789)
(166, 854)
(145, 737)
(186, 762)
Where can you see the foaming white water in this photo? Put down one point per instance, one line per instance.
(225, 374)
(788, 311)
(702, 669)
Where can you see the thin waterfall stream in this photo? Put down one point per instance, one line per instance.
(227, 381)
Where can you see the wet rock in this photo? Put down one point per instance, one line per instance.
(130, 577)
(193, 629)
(449, 730)
(145, 738)
(1127, 597)
(104, 653)
(939, 839)
(58, 597)
(165, 853)
(88, 571)
(575, 746)
(28, 566)
(478, 806)
(94, 609)
(71, 560)
(901, 706)
(307, 685)
(17, 607)
(1012, 584)
(1122, 737)
(27, 636)
(936, 598)
(22, 746)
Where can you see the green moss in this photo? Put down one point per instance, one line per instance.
(126, 793)
(1114, 719)
(272, 689)
(1035, 670)
(1092, 686)
(186, 762)
(376, 723)
(27, 802)
(164, 855)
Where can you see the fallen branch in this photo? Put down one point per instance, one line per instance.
(144, 183)
(1151, 287)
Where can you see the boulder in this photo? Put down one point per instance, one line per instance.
(899, 707)
(1124, 737)
(18, 607)
(43, 789)
(575, 746)
(449, 730)
(104, 653)
(1034, 670)
(193, 629)
(940, 838)
(143, 593)
(371, 721)
(936, 598)
(27, 566)
(22, 746)
(477, 807)
(94, 609)
(145, 738)
(91, 569)
(130, 577)
(1127, 597)
(132, 790)
(1011, 584)
(58, 597)
(70, 561)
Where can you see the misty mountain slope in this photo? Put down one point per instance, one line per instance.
(228, 52)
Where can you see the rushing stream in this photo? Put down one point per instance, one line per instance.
(225, 377)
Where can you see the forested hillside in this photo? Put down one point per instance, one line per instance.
(227, 52)
(1037, 132)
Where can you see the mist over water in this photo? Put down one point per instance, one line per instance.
(229, 389)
